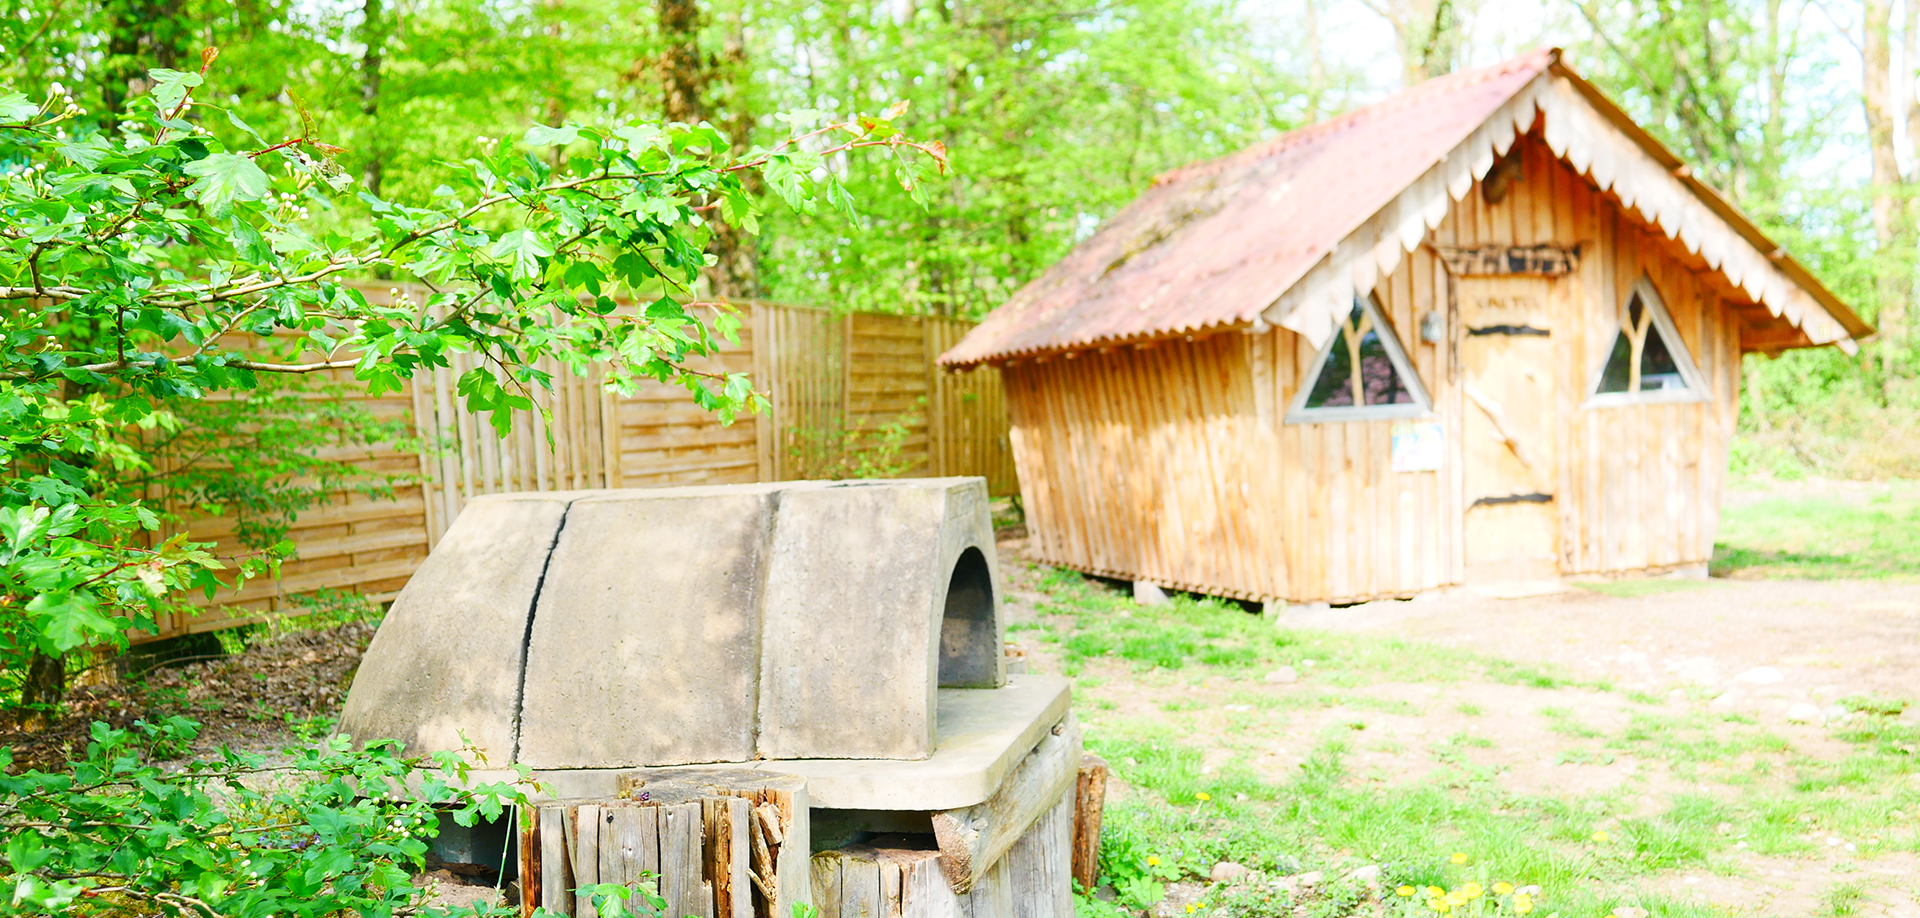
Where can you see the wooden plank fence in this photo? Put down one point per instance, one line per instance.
(853, 395)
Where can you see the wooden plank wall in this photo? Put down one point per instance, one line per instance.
(356, 542)
(833, 380)
(1136, 464)
(1352, 527)
(1174, 464)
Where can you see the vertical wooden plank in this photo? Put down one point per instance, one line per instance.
(991, 895)
(761, 328)
(726, 857)
(682, 870)
(584, 854)
(924, 892)
(826, 871)
(891, 905)
(859, 888)
(556, 879)
(1038, 865)
(527, 822)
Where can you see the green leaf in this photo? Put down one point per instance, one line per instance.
(542, 136)
(225, 178)
(15, 108)
(72, 619)
(170, 87)
(87, 154)
(525, 247)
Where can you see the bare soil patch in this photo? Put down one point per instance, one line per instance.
(1689, 657)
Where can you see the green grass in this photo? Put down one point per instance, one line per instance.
(1195, 798)
(1823, 536)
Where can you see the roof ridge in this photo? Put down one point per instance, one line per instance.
(1539, 59)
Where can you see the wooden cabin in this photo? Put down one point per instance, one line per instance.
(1486, 331)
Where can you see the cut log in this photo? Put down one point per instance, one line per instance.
(716, 843)
(1090, 802)
(1039, 865)
(778, 801)
(972, 839)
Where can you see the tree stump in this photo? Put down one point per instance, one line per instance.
(714, 843)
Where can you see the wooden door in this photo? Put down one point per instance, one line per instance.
(1508, 374)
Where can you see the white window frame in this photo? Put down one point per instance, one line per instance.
(1696, 390)
(1420, 407)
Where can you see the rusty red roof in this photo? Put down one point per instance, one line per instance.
(1215, 243)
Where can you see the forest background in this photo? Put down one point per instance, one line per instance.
(1058, 112)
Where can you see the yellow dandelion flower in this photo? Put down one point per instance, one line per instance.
(1459, 857)
(1457, 897)
(1203, 796)
(1522, 904)
(1190, 909)
(1503, 888)
(1439, 905)
(1435, 892)
(1404, 891)
(1153, 861)
(1472, 890)
(1601, 836)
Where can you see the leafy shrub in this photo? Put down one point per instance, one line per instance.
(329, 831)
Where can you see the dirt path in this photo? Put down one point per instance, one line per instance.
(1824, 640)
(1751, 668)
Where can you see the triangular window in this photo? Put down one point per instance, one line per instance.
(1361, 374)
(1647, 362)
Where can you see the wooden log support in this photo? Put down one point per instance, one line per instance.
(972, 839)
(714, 843)
(1090, 802)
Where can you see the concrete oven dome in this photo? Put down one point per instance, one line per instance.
(673, 626)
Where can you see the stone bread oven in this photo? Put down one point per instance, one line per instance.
(845, 634)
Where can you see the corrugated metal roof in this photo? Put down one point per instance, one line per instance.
(1217, 242)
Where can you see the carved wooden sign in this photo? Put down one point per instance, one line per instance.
(1545, 259)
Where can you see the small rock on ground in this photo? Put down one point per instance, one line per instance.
(1228, 871)
(1285, 675)
(1801, 713)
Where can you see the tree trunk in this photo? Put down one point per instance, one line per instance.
(1889, 195)
(373, 33)
(45, 685)
(141, 35)
(737, 272)
(687, 77)
(683, 74)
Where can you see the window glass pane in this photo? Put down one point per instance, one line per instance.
(1658, 369)
(1334, 388)
(1377, 375)
(1616, 376)
(1380, 383)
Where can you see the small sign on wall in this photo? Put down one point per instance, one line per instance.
(1418, 446)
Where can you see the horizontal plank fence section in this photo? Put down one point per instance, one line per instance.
(852, 395)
